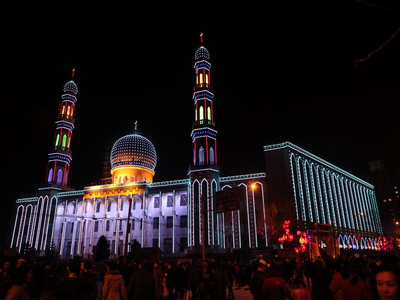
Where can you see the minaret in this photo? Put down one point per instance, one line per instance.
(204, 171)
(60, 156)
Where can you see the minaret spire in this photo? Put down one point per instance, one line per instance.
(60, 157)
(204, 171)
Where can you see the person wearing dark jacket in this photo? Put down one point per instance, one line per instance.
(222, 283)
(73, 285)
(274, 285)
(141, 285)
(257, 281)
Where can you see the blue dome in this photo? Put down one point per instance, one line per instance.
(201, 54)
(133, 150)
(71, 87)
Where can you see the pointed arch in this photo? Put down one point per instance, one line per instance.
(64, 140)
(59, 176)
(50, 176)
(57, 140)
(201, 112)
(212, 158)
(201, 155)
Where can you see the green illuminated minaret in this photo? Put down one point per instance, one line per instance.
(60, 157)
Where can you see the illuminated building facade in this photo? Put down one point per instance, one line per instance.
(177, 215)
(180, 215)
(314, 193)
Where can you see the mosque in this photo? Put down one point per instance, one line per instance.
(180, 215)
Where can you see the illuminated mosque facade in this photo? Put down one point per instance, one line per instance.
(181, 214)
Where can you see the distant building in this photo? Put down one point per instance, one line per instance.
(386, 179)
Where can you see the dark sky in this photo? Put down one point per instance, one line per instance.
(279, 74)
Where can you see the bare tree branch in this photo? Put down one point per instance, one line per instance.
(396, 33)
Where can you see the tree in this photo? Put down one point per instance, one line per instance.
(102, 249)
(135, 245)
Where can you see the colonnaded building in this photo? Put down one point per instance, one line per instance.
(181, 214)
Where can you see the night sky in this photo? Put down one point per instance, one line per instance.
(283, 74)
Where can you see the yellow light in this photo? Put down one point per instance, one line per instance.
(253, 186)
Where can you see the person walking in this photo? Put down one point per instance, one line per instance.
(257, 280)
(73, 285)
(274, 285)
(354, 288)
(158, 281)
(222, 283)
(113, 286)
(141, 285)
(20, 290)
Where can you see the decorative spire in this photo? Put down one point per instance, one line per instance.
(201, 38)
(73, 73)
(136, 124)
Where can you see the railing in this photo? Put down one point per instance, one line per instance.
(66, 117)
(204, 122)
(61, 149)
(202, 85)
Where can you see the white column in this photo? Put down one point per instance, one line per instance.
(143, 216)
(117, 225)
(80, 229)
(173, 221)
(159, 220)
(75, 224)
(92, 226)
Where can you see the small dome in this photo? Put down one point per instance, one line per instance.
(133, 150)
(70, 87)
(202, 53)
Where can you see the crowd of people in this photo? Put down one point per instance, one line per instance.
(345, 277)
(349, 277)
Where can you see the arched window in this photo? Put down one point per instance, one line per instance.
(57, 139)
(68, 111)
(201, 113)
(201, 155)
(201, 78)
(195, 114)
(132, 178)
(209, 113)
(207, 78)
(59, 177)
(64, 140)
(50, 177)
(212, 155)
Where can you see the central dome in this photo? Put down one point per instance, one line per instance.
(133, 150)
